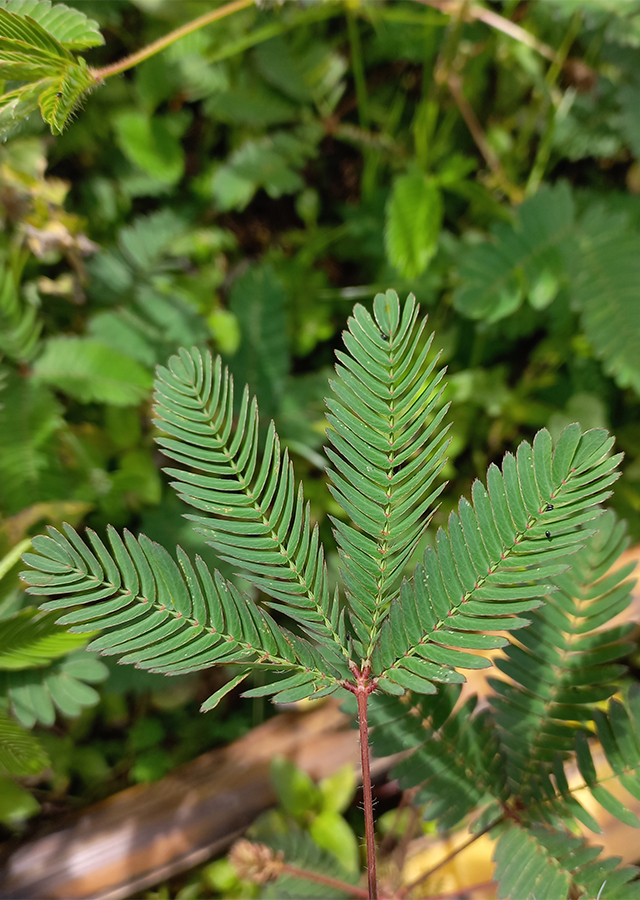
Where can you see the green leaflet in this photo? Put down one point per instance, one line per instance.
(256, 516)
(500, 555)
(90, 371)
(561, 666)
(70, 27)
(65, 685)
(549, 249)
(546, 862)
(158, 615)
(19, 322)
(388, 437)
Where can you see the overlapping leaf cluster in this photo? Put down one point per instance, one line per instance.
(506, 760)
(496, 561)
(36, 44)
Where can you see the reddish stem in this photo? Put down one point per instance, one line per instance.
(306, 874)
(363, 689)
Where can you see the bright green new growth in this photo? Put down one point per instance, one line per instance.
(36, 40)
(502, 555)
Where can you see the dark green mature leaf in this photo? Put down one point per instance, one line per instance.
(499, 557)
(454, 759)
(157, 615)
(256, 517)
(564, 663)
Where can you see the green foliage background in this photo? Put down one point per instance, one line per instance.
(240, 191)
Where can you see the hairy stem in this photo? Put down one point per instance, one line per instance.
(362, 691)
(135, 58)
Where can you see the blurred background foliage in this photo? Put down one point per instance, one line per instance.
(241, 191)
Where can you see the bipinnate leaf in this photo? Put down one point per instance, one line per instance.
(165, 617)
(454, 758)
(255, 516)
(547, 863)
(498, 558)
(20, 753)
(565, 663)
(618, 730)
(388, 446)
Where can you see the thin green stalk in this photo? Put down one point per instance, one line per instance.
(274, 29)
(357, 65)
(128, 62)
(553, 114)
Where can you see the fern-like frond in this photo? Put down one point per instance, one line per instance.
(619, 733)
(66, 685)
(162, 617)
(30, 470)
(31, 639)
(19, 323)
(455, 757)
(563, 664)
(386, 431)
(547, 864)
(256, 518)
(497, 559)
(20, 752)
(300, 850)
(605, 290)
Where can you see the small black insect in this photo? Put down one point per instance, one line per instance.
(58, 93)
(547, 534)
(549, 507)
(385, 337)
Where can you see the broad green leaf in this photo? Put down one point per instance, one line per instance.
(17, 804)
(152, 144)
(413, 220)
(90, 371)
(296, 791)
(332, 832)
